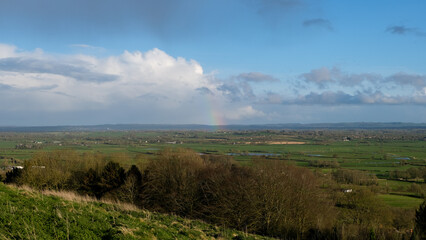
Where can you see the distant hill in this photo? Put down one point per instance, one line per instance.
(27, 214)
(152, 127)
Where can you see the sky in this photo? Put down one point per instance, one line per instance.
(211, 62)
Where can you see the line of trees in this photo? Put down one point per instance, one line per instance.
(411, 173)
(349, 176)
(323, 164)
(269, 198)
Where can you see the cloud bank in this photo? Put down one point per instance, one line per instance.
(150, 85)
(154, 87)
(335, 86)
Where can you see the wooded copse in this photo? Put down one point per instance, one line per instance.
(269, 198)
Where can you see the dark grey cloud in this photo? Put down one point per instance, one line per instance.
(318, 22)
(256, 77)
(75, 70)
(403, 30)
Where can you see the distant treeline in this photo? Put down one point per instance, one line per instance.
(411, 173)
(323, 163)
(269, 198)
(156, 127)
(349, 176)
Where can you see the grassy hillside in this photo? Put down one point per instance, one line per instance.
(401, 201)
(26, 214)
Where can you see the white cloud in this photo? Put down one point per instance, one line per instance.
(7, 51)
(414, 80)
(151, 85)
(154, 87)
(321, 76)
(244, 112)
(359, 88)
(358, 98)
(325, 77)
(81, 78)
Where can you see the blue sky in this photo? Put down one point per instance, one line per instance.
(211, 62)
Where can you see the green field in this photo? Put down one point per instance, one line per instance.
(375, 155)
(378, 152)
(401, 201)
(384, 164)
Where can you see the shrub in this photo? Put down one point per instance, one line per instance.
(14, 176)
(170, 182)
(131, 189)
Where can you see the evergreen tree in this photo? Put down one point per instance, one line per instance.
(89, 184)
(13, 176)
(112, 177)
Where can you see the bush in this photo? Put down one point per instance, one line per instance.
(288, 200)
(57, 170)
(270, 197)
(88, 183)
(131, 189)
(170, 182)
(14, 176)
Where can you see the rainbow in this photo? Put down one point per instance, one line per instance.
(215, 117)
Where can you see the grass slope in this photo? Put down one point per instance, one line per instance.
(401, 201)
(26, 214)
